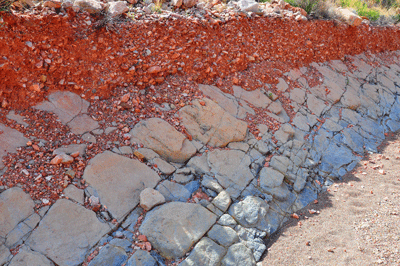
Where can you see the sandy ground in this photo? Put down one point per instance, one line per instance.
(357, 221)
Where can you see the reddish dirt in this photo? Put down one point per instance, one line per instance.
(67, 54)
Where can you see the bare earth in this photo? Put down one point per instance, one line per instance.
(357, 220)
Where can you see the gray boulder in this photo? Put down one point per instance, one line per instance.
(109, 255)
(109, 173)
(67, 233)
(164, 139)
(141, 258)
(249, 211)
(174, 227)
(206, 252)
(207, 122)
(238, 254)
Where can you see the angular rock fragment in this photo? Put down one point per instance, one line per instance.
(109, 173)
(174, 227)
(161, 137)
(207, 122)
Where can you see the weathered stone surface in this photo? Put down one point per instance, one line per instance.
(109, 255)
(109, 173)
(231, 169)
(253, 239)
(141, 258)
(17, 235)
(70, 149)
(148, 154)
(189, 3)
(242, 146)
(91, 6)
(67, 233)
(238, 254)
(271, 182)
(315, 105)
(163, 166)
(164, 139)
(228, 102)
(349, 17)
(9, 141)
(284, 133)
(211, 183)
(174, 227)
(173, 191)
(199, 164)
(227, 220)
(223, 235)
(280, 163)
(282, 85)
(206, 252)
(82, 124)
(117, 8)
(66, 105)
(222, 201)
(15, 206)
(249, 211)
(298, 95)
(209, 123)
(248, 6)
(17, 118)
(5, 254)
(256, 97)
(26, 256)
(149, 198)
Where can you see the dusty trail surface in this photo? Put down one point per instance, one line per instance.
(357, 219)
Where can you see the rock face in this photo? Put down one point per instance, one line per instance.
(231, 169)
(207, 122)
(66, 105)
(109, 255)
(117, 8)
(15, 206)
(109, 172)
(238, 254)
(206, 252)
(91, 6)
(174, 227)
(67, 233)
(250, 211)
(141, 258)
(228, 102)
(10, 140)
(25, 255)
(349, 17)
(149, 198)
(161, 137)
(256, 97)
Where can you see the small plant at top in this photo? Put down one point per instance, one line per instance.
(308, 5)
(270, 95)
(158, 6)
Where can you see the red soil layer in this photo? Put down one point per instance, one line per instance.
(69, 55)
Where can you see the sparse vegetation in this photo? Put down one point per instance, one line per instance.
(158, 6)
(5, 5)
(308, 5)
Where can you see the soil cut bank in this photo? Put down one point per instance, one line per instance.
(41, 54)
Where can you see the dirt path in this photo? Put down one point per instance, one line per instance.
(357, 220)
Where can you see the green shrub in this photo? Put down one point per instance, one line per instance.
(308, 5)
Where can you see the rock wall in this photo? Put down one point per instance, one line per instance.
(214, 194)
